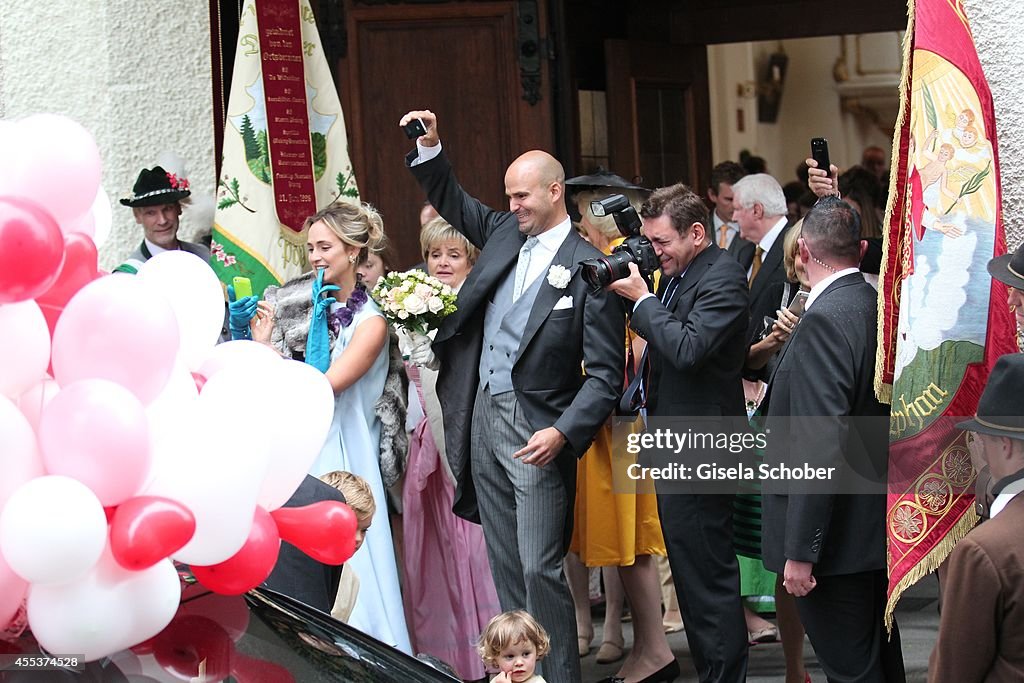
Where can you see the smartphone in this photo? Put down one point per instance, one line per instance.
(819, 152)
(243, 287)
(414, 129)
(796, 306)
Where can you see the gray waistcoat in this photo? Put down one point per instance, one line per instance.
(503, 330)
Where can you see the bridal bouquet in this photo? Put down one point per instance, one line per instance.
(414, 300)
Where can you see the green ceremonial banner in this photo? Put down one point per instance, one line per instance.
(285, 148)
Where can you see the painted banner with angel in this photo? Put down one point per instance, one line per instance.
(940, 325)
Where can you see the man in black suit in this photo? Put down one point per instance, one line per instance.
(518, 408)
(826, 541)
(696, 343)
(298, 575)
(759, 207)
(725, 231)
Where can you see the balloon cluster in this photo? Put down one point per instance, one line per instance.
(128, 437)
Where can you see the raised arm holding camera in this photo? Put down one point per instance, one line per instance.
(696, 332)
(518, 409)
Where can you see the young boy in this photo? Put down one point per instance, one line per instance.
(360, 498)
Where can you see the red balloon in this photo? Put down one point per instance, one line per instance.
(251, 670)
(79, 270)
(326, 531)
(191, 642)
(146, 529)
(197, 648)
(251, 565)
(31, 250)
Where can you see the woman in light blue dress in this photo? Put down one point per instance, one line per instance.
(327, 319)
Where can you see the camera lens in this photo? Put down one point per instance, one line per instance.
(597, 273)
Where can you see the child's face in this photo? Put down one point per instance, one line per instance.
(518, 661)
(364, 524)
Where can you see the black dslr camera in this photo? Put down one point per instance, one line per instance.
(601, 272)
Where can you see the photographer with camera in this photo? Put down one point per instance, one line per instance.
(696, 332)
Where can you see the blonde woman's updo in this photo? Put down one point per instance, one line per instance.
(357, 225)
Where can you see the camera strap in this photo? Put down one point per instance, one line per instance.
(635, 396)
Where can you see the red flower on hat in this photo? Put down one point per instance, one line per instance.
(176, 182)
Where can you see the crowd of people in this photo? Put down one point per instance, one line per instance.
(480, 459)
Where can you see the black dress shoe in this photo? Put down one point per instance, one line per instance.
(665, 674)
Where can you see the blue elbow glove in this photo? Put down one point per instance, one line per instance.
(318, 352)
(240, 312)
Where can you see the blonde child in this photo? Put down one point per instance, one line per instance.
(514, 642)
(360, 498)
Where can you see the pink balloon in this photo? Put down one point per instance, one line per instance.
(53, 161)
(12, 592)
(32, 401)
(24, 347)
(117, 328)
(96, 431)
(84, 223)
(19, 453)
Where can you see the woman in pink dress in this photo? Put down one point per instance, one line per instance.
(449, 592)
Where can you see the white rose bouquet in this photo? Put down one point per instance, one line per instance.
(414, 300)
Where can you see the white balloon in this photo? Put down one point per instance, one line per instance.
(302, 419)
(196, 296)
(171, 412)
(215, 465)
(102, 216)
(52, 530)
(107, 610)
(240, 352)
(20, 459)
(24, 347)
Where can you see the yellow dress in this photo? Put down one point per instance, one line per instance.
(611, 529)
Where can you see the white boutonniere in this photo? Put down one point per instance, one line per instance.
(559, 276)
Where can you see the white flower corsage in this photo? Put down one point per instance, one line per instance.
(559, 276)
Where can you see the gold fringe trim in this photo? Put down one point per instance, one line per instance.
(883, 390)
(930, 562)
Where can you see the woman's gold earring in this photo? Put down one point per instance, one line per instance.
(351, 258)
(1013, 308)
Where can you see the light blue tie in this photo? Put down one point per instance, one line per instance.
(522, 266)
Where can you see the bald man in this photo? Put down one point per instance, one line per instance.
(518, 410)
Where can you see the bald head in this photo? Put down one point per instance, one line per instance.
(535, 187)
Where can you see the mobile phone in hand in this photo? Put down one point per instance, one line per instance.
(819, 152)
(796, 307)
(414, 129)
(243, 287)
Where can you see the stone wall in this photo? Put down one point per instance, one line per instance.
(137, 73)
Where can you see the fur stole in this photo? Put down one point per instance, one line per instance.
(293, 307)
(391, 409)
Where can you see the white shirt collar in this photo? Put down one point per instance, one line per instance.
(769, 239)
(154, 250)
(718, 222)
(552, 239)
(1008, 493)
(817, 289)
